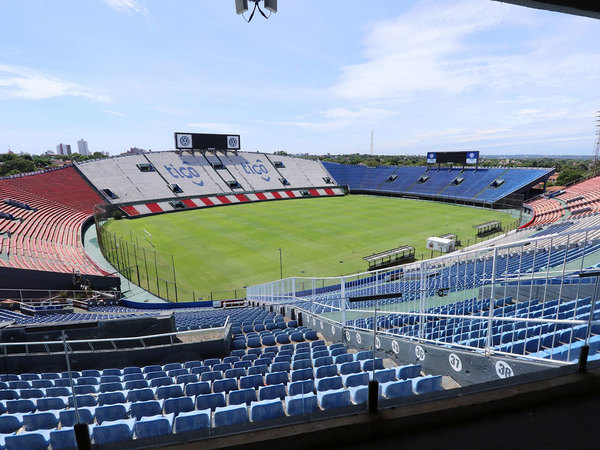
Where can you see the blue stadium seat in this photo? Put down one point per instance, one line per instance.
(20, 406)
(161, 381)
(152, 368)
(221, 367)
(210, 401)
(194, 363)
(266, 410)
(405, 372)
(300, 387)
(187, 378)
(9, 394)
(31, 393)
(9, 423)
(192, 421)
(277, 378)
(356, 379)
(301, 404)
(91, 373)
(200, 387)
(172, 366)
(63, 439)
(326, 371)
(302, 374)
(211, 376)
(272, 392)
(334, 399)
(109, 379)
(384, 375)
(349, 367)
(87, 400)
(426, 384)
(297, 337)
(86, 389)
(281, 366)
(235, 373)
(42, 384)
(282, 339)
(397, 389)
(199, 370)
(131, 370)
(298, 364)
(147, 408)
(28, 440)
(179, 405)
(116, 372)
(111, 398)
(363, 355)
(230, 415)
(172, 391)
(225, 385)
(329, 383)
(258, 370)
(344, 358)
(136, 384)
(68, 417)
(242, 396)
(58, 392)
(368, 364)
(111, 413)
(113, 431)
(51, 403)
(311, 335)
(140, 395)
(154, 426)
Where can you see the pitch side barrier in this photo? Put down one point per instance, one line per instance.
(526, 299)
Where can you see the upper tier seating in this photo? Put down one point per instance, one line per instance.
(121, 179)
(476, 184)
(48, 236)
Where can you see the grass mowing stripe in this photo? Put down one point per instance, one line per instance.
(229, 247)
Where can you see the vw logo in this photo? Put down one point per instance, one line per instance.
(233, 142)
(184, 140)
(471, 155)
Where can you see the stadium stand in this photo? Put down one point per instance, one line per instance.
(174, 180)
(576, 201)
(47, 236)
(476, 185)
(248, 386)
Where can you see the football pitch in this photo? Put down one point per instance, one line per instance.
(226, 248)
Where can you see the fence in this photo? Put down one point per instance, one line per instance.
(148, 268)
(530, 298)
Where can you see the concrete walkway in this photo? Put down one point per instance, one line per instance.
(129, 290)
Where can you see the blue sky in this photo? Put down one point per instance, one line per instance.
(316, 77)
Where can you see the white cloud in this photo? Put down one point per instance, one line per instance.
(114, 113)
(127, 6)
(25, 83)
(212, 127)
(339, 118)
(444, 48)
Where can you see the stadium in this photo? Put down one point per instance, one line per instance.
(208, 296)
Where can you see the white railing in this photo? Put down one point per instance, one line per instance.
(541, 309)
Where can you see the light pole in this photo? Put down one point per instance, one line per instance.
(280, 265)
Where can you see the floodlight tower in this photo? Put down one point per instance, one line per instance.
(241, 6)
(597, 147)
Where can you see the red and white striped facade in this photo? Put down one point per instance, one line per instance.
(142, 209)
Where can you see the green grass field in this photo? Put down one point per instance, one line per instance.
(230, 247)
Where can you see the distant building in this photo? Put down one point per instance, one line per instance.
(82, 147)
(63, 149)
(135, 151)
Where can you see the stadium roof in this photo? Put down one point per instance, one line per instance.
(575, 7)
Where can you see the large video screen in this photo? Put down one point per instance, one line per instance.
(471, 157)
